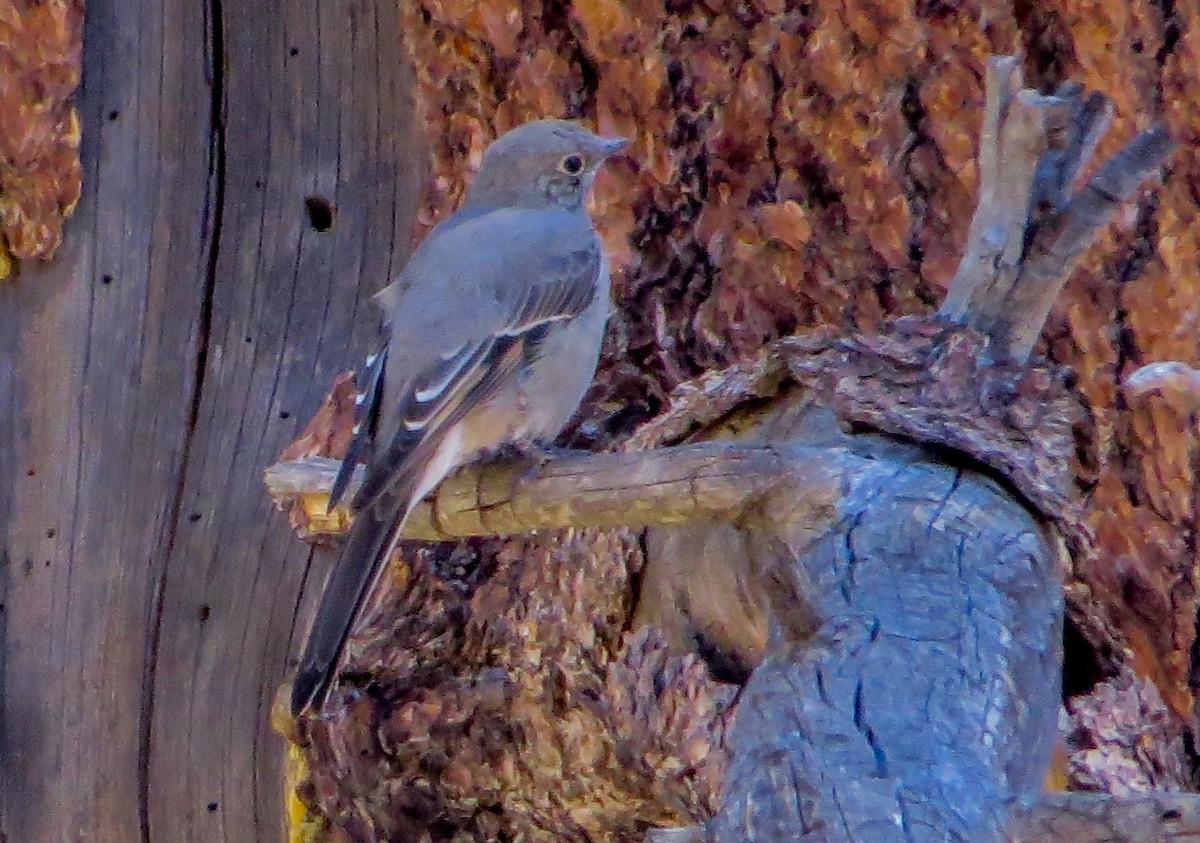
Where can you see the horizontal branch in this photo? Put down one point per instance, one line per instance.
(707, 480)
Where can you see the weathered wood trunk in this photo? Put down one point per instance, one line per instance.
(896, 706)
(190, 322)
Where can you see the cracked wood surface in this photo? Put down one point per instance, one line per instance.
(927, 699)
(191, 318)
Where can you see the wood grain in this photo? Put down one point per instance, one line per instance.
(748, 484)
(150, 373)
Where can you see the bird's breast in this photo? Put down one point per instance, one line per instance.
(561, 369)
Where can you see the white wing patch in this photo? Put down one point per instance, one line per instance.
(435, 389)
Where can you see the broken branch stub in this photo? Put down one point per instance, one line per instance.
(1029, 229)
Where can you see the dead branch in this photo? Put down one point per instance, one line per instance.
(1028, 229)
(709, 480)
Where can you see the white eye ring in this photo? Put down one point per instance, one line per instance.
(571, 164)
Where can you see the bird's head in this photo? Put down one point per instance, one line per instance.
(543, 164)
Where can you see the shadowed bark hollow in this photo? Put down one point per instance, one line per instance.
(897, 519)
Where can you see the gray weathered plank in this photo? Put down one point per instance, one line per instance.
(99, 354)
(141, 643)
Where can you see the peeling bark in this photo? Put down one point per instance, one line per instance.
(41, 52)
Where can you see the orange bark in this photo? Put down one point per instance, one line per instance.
(40, 175)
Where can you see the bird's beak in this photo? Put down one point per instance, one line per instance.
(611, 146)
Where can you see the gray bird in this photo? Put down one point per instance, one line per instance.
(494, 330)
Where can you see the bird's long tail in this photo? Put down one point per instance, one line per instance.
(371, 542)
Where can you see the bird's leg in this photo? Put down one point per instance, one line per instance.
(537, 451)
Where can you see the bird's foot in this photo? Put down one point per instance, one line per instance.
(525, 450)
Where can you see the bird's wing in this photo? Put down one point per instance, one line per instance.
(556, 287)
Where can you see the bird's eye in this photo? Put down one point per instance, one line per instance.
(572, 165)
